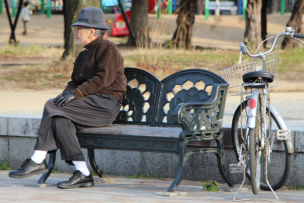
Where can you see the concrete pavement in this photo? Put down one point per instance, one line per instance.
(122, 189)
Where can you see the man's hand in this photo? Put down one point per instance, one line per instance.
(64, 98)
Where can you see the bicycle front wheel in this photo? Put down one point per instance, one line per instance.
(280, 161)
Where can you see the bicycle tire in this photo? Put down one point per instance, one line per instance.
(277, 178)
(255, 158)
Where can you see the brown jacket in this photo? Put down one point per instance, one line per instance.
(98, 70)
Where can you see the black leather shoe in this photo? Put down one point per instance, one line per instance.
(29, 168)
(77, 180)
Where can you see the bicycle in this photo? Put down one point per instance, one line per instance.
(259, 134)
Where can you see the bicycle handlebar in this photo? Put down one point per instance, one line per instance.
(289, 33)
(298, 35)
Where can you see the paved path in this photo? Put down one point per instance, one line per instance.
(226, 32)
(126, 190)
(289, 105)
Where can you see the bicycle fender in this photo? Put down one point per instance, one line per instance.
(253, 109)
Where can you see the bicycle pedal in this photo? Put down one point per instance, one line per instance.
(235, 168)
(283, 135)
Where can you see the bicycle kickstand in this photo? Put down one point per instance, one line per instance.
(237, 168)
(266, 164)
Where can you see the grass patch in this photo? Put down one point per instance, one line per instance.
(13, 79)
(296, 187)
(107, 174)
(163, 62)
(4, 166)
(161, 177)
(290, 64)
(159, 61)
(8, 52)
(139, 175)
(93, 173)
(55, 170)
(53, 75)
(34, 50)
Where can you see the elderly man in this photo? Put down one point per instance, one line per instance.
(92, 98)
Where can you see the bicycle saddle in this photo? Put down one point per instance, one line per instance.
(252, 76)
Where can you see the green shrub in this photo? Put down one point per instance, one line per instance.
(4, 166)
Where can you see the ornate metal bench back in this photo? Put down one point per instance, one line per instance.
(139, 102)
(188, 86)
(149, 101)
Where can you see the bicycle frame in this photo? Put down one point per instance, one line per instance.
(253, 112)
(252, 121)
(253, 109)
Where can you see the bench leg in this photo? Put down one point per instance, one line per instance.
(181, 169)
(93, 163)
(220, 162)
(51, 165)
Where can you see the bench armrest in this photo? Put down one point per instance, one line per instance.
(202, 116)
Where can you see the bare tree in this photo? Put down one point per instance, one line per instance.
(200, 4)
(183, 34)
(71, 12)
(296, 21)
(253, 23)
(139, 23)
(264, 22)
(275, 6)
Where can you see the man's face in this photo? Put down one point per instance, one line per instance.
(82, 35)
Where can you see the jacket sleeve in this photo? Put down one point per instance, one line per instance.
(108, 61)
(71, 84)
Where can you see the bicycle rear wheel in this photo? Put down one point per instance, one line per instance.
(280, 161)
(255, 158)
(255, 151)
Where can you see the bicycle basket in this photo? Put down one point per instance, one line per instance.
(234, 74)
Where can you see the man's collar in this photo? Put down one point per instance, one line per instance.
(94, 42)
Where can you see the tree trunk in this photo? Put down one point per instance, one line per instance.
(296, 21)
(275, 6)
(200, 5)
(185, 20)
(139, 23)
(71, 12)
(253, 23)
(264, 22)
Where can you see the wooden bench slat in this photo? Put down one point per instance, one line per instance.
(118, 130)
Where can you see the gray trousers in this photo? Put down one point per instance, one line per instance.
(24, 26)
(59, 124)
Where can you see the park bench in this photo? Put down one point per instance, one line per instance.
(225, 7)
(163, 116)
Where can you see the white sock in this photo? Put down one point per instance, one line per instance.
(82, 166)
(39, 156)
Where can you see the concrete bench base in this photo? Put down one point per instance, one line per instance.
(18, 138)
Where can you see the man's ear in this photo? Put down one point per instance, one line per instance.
(93, 32)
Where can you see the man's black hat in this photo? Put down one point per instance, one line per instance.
(91, 17)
